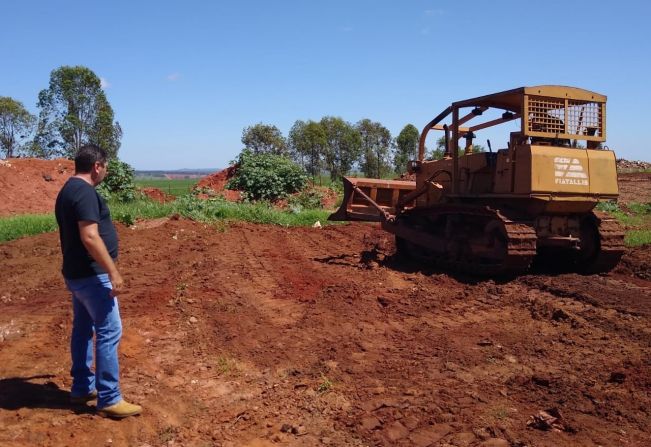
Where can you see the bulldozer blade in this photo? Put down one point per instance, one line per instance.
(371, 199)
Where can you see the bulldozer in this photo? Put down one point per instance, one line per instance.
(494, 213)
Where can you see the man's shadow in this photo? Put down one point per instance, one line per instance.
(20, 392)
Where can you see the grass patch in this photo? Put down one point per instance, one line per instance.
(325, 385)
(225, 365)
(636, 217)
(26, 225)
(215, 211)
(175, 187)
(635, 238)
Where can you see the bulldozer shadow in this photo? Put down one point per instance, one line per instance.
(27, 392)
(405, 264)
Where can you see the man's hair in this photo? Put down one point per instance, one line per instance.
(87, 156)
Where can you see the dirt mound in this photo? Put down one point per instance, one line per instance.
(634, 187)
(157, 195)
(263, 335)
(217, 183)
(632, 166)
(30, 185)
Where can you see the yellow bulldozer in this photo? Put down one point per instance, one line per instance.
(492, 213)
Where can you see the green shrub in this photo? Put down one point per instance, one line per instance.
(267, 176)
(119, 182)
(609, 207)
(308, 199)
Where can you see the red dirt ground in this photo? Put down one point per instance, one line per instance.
(217, 182)
(634, 187)
(31, 185)
(261, 335)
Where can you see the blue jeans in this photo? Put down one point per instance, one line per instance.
(94, 308)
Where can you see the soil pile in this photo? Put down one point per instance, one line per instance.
(157, 195)
(634, 187)
(30, 185)
(251, 335)
(632, 166)
(217, 183)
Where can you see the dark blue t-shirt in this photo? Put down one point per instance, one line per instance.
(79, 201)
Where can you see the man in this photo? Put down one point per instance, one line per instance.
(89, 244)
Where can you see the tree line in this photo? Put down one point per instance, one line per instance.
(336, 146)
(73, 111)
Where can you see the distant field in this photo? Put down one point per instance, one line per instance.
(175, 187)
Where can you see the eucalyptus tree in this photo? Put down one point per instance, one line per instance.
(343, 146)
(264, 139)
(307, 142)
(406, 147)
(75, 111)
(376, 148)
(16, 125)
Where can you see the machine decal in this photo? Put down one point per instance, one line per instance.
(569, 171)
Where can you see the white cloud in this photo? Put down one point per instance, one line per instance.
(103, 83)
(347, 29)
(424, 31)
(434, 12)
(173, 76)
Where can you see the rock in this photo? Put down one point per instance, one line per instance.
(370, 423)
(299, 431)
(396, 431)
(193, 320)
(410, 422)
(429, 435)
(317, 224)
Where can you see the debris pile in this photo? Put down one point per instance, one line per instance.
(632, 166)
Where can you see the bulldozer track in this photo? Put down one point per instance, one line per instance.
(519, 236)
(611, 235)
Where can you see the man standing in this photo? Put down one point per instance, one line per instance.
(89, 244)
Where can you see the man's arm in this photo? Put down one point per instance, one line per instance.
(89, 233)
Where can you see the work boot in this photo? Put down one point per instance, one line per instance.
(79, 400)
(120, 410)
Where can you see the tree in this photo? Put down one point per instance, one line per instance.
(343, 146)
(16, 123)
(74, 111)
(264, 139)
(307, 142)
(376, 143)
(406, 147)
(439, 151)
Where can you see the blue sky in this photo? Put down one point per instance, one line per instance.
(184, 78)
